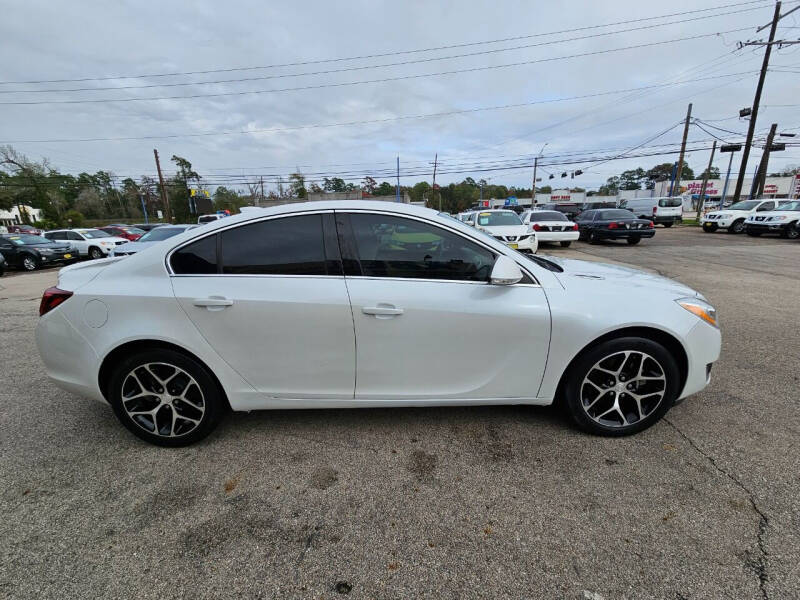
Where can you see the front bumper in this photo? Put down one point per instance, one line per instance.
(766, 228)
(529, 245)
(702, 345)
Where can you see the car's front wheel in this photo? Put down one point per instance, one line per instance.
(710, 227)
(621, 386)
(95, 253)
(737, 226)
(29, 262)
(165, 397)
(792, 232)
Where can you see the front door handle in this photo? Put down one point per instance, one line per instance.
(382, 310)
(213, 302)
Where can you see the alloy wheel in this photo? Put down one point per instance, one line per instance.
(163, 399)
(623, 388)
(29, 263)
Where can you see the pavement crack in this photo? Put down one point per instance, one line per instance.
(762, 566)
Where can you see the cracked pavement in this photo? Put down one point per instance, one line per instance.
(445, 502)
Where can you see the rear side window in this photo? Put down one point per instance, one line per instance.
(670, 202)
(197, 258)
(283, 246)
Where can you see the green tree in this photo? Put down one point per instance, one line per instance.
(333, 184)
(368, 184)
(420, 191)
(384, 189)
(713, 173)
(297, 185)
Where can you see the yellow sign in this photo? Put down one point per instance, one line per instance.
(199, 192)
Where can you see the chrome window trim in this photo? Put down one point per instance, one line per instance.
(477, 241)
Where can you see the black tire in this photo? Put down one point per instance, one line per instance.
(752, 233)
(211, 401)
(710, 227)
(668, 224)
(29, 262)
(593, 238)
(632, 241)
(792, 231)
(736, 227)
(583, 365)
(565, 244)
(95, 253)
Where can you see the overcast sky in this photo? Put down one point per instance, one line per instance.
(68, 41)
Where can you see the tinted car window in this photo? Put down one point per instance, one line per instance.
(197, 258)
(71, 235)
(586, 215)
(543, 215)
(670, 202)
(616, 214)
(396, 247)
(766, 206)
(283, 246)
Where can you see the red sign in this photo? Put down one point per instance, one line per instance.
(770, 188)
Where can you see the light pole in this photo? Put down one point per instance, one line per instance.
(535, 165)
(732, 149)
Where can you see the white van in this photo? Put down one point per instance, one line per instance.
(665, 210)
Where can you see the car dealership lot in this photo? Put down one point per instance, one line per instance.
(446, 502)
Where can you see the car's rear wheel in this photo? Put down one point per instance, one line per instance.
(593, 238)
(737, 226)
(710, 227)
(165, 397)
(669, 224)
(621, 386)
(95, 253)
(29, 262)
(634, 240)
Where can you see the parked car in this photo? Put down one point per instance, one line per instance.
(22, 228)
(733, 217)
(613, 224)
(30, 252)
(506, 226)
(784, 220)
(150, 238)
(571, 209)
(238, 314)
(91, 243)
(128, 232)
(201, 220)
(148, 226)
(550, 226)
(663, 210)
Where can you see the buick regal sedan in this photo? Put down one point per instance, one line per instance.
(364, 304)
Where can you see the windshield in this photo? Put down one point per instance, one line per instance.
(544, 215)
(616, 214)
(93, 233)
(789, 206)
(746, 205)
(161, 233)
(670, 202)
(491, 219)
(26, 240)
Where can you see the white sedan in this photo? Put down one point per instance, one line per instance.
(551, 226)
(359, 304)
(506, 226)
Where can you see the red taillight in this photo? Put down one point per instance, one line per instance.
(655, 209)
(575, 227)
(652, 225)
(612, 226)
(537, 227)
(51, 298)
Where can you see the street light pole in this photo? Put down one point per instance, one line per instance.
(535, 166)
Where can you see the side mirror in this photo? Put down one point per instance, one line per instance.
(505, 271)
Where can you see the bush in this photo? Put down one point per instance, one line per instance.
(73, 218)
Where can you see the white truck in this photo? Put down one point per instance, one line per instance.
(733, 218)
(664, 210)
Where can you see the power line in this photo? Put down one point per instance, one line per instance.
(372, 121)
(382, 80)
(396, 53)
(367, 67)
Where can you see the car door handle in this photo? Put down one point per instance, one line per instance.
(212, 302)
(382, 310)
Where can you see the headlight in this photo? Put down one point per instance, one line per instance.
(106, 243)
(722, 215)
(700, 308)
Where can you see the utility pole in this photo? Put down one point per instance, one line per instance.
(761, 174)
(533, 187)
(433, 188)
(676, 187)
(262, 190)
(397, 187)
(164, 195)
(756, 101)
(705, 181)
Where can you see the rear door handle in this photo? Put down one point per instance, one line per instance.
(382, 310)
(213, 302)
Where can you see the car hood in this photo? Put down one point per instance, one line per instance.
(618, 275)
(505, 229)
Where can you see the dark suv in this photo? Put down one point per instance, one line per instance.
(30, 252)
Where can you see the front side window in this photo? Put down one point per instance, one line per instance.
(766, 206)
(283, 246)
(389, 246)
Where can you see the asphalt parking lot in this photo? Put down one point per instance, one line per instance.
(442, 503)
